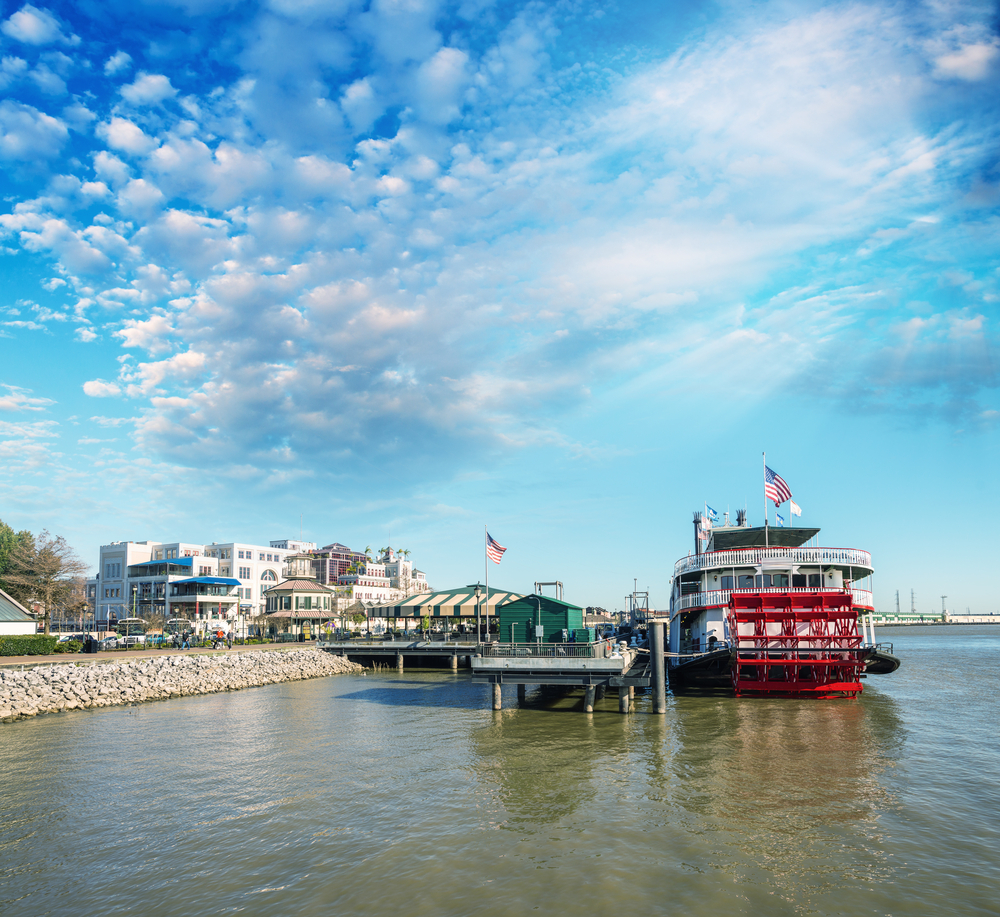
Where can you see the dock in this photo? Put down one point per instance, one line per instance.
(446, 653)
(595, 667)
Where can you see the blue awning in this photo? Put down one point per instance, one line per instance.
(213, 580)
(176, 561)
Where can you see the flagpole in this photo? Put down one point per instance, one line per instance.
(763, 461)
(486, 563)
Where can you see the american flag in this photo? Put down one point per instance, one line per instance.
(493, 550)
(775, 487)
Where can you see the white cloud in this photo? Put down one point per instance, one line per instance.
(110, 167)
(71, 246)
(140, 198)
(13, 398)
(971, 62)
(28, 134)
(98, 388)
(36, 27)
(148, 89)
(85, 334)
(152, 335)
(440, 82)
(361, 105)
(122, 134)
(181, 367)
(118, 62)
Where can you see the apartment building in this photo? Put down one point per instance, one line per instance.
(140, 579)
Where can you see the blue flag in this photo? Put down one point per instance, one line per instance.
(780, 518)
(712, 514)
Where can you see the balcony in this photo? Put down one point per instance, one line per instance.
(752, 557)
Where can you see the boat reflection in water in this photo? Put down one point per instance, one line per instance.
(788, 796)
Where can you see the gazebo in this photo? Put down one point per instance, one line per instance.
(298, 604)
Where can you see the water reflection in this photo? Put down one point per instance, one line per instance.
(788, 792)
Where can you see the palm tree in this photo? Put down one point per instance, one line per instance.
(368, 552)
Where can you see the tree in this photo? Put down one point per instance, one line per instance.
(43, 571)
(9, 540)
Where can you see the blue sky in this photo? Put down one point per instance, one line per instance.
(566, 268)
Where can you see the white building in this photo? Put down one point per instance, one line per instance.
(215, 583)
(15, 620)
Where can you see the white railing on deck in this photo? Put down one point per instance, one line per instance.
(861, 597)
(751, 557)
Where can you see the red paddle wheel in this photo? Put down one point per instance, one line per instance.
(795, 644)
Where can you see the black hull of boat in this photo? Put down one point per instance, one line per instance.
(710, 673)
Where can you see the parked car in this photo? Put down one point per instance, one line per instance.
(65, 638)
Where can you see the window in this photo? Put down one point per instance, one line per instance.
(799, 580)
(814, 581)
(727, 582)
(244, 573)
(745, 581)
(241, 554)
(261, 555)
(763, 581)
(780, 580)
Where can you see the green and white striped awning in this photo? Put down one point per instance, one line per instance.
(448, 603)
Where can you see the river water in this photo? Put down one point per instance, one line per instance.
(382, 795)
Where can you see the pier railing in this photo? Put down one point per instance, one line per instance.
(862, 597)
(751, 557)
(545, 650)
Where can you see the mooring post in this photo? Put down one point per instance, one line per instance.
(522, 691)
(454, 663)
(631, 693)
(589, 695)
(601, 691)
(496, 696)
(623, 700)
(659, 671)
(399, 662)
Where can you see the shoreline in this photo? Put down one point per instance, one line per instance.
(55, 687)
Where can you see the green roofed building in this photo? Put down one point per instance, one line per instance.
(520, 618)
(454, 606)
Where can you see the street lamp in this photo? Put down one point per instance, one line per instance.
(478, 632)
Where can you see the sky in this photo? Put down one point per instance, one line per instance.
(391, 271)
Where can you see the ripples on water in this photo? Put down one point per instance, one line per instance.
(374, 795)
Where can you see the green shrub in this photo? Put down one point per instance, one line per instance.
(68, 646)
(27, 645)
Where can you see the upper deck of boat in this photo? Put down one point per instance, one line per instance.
(743, 546)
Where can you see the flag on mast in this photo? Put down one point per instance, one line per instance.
(780, 518)
(775, 487)
(796, 510)
(493, 549)
(713, 516)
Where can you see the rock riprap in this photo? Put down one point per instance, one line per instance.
(54, 688)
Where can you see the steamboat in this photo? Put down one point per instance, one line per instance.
(763, 611)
